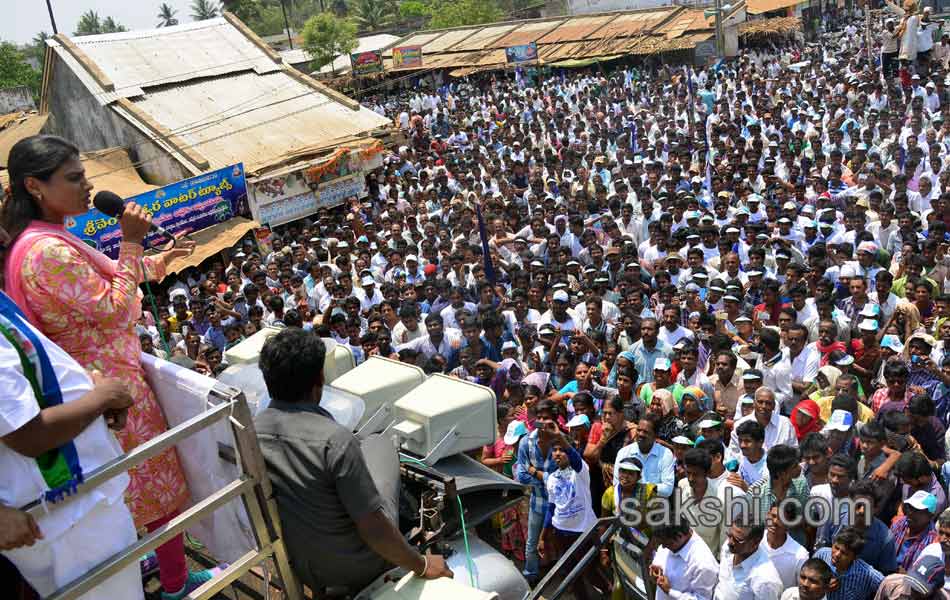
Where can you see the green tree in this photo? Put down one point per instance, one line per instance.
(16, 71)
(413, 9)
(89, 24)
(202, 10)
(109, 25)
(372, 15)
(456, 13)
(37, 48)
(166, 14)
(326, 36)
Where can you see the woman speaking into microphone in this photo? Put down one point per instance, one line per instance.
(88, 304)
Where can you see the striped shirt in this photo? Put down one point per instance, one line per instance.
(529, 455)
(859, 582)
(908, 546)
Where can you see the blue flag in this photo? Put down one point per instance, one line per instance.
(489, 267)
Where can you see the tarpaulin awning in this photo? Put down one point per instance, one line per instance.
(775, 25)
(583, 62)
(757, 7)
(16, 127)
(112, 170)
(212, 240)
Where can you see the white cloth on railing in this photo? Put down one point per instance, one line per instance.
(183, 394)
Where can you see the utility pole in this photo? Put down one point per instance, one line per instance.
(52, 19)
(283, 9)
(720, 50)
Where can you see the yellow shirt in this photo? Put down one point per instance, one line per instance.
(865, 414)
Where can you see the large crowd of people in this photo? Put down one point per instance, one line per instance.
(724, 289)
(716, 283)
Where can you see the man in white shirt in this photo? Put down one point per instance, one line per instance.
(658, 461)
(368, 295)
(683, 567)
(814, 581)
(408, 328)
(752, 463)
(672, 331)
(776, 366)
(778, 429)
(745, 571)
(785, 553)
(804, 360)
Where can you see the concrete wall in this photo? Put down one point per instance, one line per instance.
(731, 41)
(577, 7)
(16, 99)
(77, 116)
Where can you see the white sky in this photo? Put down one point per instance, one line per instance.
(30, 16)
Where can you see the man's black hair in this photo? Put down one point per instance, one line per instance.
(292, 364)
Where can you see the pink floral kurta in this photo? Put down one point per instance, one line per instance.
(93, 318)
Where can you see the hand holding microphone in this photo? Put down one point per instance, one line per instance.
(135, 223)
(133, 220)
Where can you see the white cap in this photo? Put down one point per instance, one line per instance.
(841, 420)
(868, 325)
(661, 364)
(413, 258)
(516, 429)
(561, 296)
(579, 421)
(367, 280)
(922, 500)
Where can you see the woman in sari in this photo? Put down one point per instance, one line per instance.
(88, 304)
(670, 426)
(806, 418)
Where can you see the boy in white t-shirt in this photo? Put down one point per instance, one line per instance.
(570, 512)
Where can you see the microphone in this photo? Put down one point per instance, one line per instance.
(110, 204)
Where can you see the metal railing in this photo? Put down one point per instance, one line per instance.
(251, 485)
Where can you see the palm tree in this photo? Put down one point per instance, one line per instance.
(372, 15)
(89, 23)
(109, 25)
(167, 15)
(204, 9)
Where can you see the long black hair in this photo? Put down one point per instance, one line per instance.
(37, 156)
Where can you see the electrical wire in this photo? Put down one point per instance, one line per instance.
(151, 297)
(468, 551)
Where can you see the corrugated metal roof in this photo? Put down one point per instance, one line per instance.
(419, 39)
(688, 20)
(483, 37)
(573, 30)
(757, 7)
(276, 115)
(135, 60)
(102, 97)
(445, 42)
(342, 62)
(527, 33)
(635, 23)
